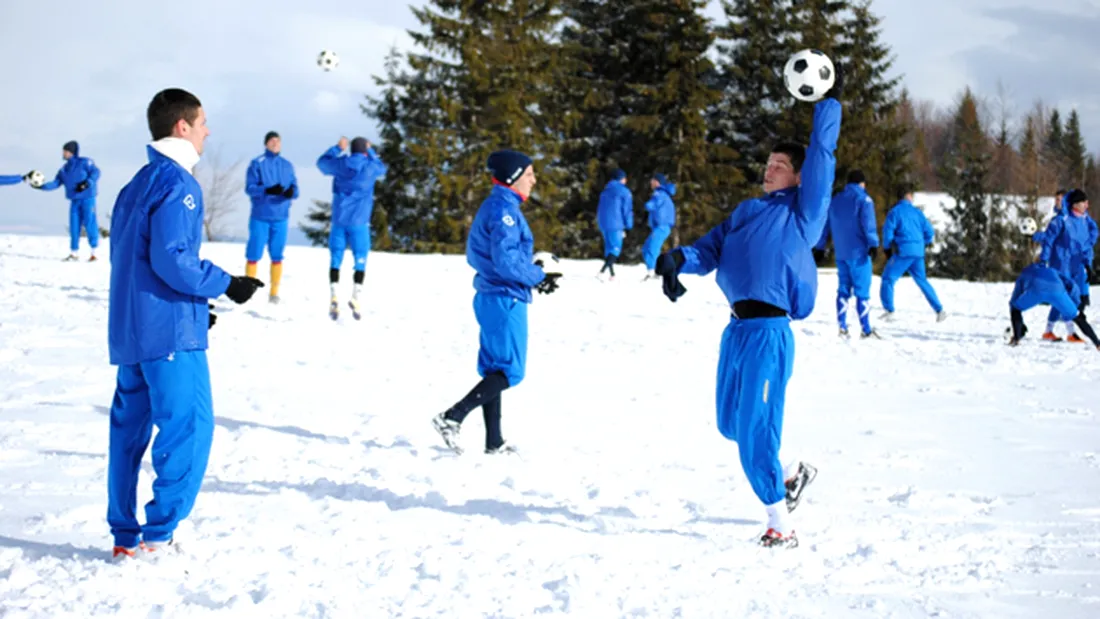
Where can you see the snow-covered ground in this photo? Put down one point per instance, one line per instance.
(959, 477)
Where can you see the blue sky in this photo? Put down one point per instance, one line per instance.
(89, 70)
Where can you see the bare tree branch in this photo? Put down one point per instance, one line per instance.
(222, 191)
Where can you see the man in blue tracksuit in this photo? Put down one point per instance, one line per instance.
(353, 179)
(854, 231)
(14, 179)
(1042, 285)
(158, 319)
(79, 176)
(499, 248)
(910, 231)
(271, 184)
(764, 257)
(662, 216)
(615, 215)
(1067, 247)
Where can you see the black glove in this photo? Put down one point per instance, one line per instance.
(837, 91)
(1088, 273)
(872, 253)
(548, 284)
(1084, 301)
(888, 253)
(274, 190)
(668, 267)
(819, 256)
(213, 318)
(241, 289)
(27, 176)
(289, 192)
(81, 186)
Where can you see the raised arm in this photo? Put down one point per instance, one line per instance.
(819, 169)
(54, 184)
(331, 162)
(1054, 230)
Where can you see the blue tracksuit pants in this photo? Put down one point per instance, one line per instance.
(900, 265)
(854, 277)
(82, 215)
(269, 234)
(1081, 278)
(754, 364)
(651, 250)
(357, 238)
(612, 242)
(503, 337)
(172, 394)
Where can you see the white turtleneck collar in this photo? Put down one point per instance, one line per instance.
(179, 150)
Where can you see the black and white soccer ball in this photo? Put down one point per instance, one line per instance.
(328, 60)
(544, 258)
(809, 74)
(36, 179)
(1028, 226)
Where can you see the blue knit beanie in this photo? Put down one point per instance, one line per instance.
(72, 147)
(507, 165)
(618, 175)
(660, 178)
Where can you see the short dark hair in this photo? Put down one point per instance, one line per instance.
(168, 107)
(905, 189)
(855, 177)
(796, 152)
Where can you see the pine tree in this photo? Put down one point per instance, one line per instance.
(1054, 148)
(1074, 151)
(923, 172)
(976, 246)
(756, 42)
(486, 68)
(320, 222)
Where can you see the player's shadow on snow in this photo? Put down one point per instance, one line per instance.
(38, 550)
(936, 336)
(236, 424)
(502, 511)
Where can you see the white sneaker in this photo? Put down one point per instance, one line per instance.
(941, 316)
(887, 316)
(448, 429)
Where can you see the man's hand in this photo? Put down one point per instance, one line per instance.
(241, 289)
(549, 283)
(343, 143)
(81, 186)
(872, 253)
(274, 190)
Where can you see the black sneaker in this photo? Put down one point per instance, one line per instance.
(448, 429)
(775, 539)
(797, 484)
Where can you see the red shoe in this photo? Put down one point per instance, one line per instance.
(92, 259)
(775, 539)
(124, 552)
(1050, 337)
(1073, 337)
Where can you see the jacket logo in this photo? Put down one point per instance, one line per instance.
(189, 202)
(508, 220)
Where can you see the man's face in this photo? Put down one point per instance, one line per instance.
(275, 145)
(66, 154)
(654, 183)
(526, 182)
(780, 173)
(1081, 208)
(196, 132)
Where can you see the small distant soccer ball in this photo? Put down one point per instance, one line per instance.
(544, 258)
(1028, 226)
(328, 60)
(37, 179)
(809, 74)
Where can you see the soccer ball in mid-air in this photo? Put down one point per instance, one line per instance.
(809, 74)
(36, 179)
(328, 60)
(1028, 226)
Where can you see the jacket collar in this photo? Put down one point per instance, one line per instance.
(179, 150)
(501, 188)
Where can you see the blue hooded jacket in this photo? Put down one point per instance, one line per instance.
(851, 223)
(76, 170)
(500, 247)
(1069, 242)
(13, 179)
(268, 170)
(616, 208)
(353, 182)
(159, 285)
(908, 228)
(662, 212)
(763, 249)
(1044, 283)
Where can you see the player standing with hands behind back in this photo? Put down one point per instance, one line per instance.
(763, 254)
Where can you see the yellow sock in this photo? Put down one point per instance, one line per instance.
(250, 269)
(276, 277)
